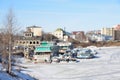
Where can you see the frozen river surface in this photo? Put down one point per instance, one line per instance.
(106, 66)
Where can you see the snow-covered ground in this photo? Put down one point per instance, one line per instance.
(106, 66)
(15, 74)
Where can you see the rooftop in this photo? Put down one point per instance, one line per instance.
(34, 26)
(59, 29)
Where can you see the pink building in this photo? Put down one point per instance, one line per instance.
(79, 35)
(117, 27)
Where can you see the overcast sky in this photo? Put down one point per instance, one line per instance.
(74, 15)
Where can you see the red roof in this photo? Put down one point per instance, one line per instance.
(76, 32)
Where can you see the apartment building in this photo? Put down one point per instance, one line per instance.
(107, 31)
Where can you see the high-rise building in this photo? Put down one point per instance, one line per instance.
(107, 31)
(117, 35)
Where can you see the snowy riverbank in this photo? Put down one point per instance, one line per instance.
(106, 66)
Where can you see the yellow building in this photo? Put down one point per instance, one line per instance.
(36, 30)
(107, 31)
(60, 34)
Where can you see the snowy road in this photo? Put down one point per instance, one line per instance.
(106, 66)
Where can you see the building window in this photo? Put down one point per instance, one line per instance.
(34, 42)
(37, 42)
(29, 35)
(16, 41)
(23, 42)
(25, 34)
(30, 42)
(20, 42)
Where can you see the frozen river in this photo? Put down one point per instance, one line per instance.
(106, 66)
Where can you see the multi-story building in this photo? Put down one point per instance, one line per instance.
(107, 31)
(27, 42)
(117, 35)
(79, 35)
(36, 30)
(61, 34)
(31, 37)
(117, 32)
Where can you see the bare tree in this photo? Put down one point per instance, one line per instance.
(7, 33)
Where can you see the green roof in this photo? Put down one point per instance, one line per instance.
(44, 47)
(59, 29)
(46, 44)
